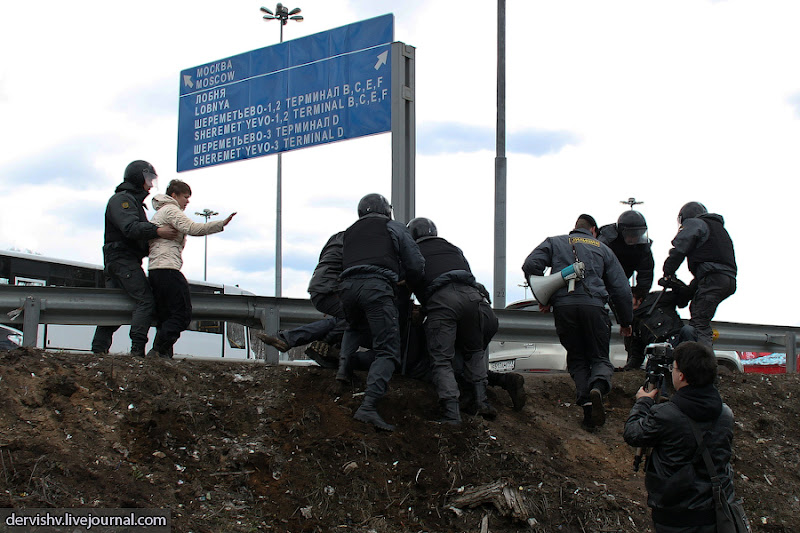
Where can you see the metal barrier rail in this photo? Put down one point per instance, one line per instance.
(70, 305)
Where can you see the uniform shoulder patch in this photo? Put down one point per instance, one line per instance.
(125, 205)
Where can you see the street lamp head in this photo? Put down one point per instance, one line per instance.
(265, 10)
(298, 18)
(294, 11)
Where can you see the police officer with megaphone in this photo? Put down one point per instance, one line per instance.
(582, 321)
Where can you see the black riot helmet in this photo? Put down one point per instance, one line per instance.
(374, 203)
(633, 227)
(422, 227)
(691, 210)
(140, 172)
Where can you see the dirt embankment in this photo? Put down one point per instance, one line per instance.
(240, 447)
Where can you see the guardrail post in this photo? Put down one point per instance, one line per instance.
(270, 321)
(791, 352)
(30, 321)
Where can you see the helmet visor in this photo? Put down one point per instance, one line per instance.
(634, 236)
(150, 179)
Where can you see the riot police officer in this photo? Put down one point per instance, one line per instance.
(629, 241)
(377, 253)
(708, 249)
(451, 299)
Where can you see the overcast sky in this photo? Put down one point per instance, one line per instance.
(666, 102)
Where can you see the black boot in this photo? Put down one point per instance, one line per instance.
(598, 410)
(587, 423)
(345, 372)
(137, 350)
(515, 386)
(450, 412)
(368, 414)
(484, 407)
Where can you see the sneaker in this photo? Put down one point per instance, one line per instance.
(276, 342)
(318, 352)
(598, 410)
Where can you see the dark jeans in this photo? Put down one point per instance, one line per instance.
(371, 311)
(328, 329)
(711, 290)
(173, 307)
(454, 319)
(127, 274)
(585, 332)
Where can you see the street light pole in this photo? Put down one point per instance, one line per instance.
(283, 15)
(206, 213)
(500, 165)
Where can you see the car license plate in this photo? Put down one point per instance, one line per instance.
(502, 366)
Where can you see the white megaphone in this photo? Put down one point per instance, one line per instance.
(543, 287)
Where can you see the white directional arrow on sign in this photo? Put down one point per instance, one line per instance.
(381, 59)
(187, 80)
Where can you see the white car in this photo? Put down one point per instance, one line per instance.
(10, 338)
(544, 357)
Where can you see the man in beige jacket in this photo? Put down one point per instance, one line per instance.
(170, 288)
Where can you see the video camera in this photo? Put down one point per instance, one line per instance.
(659, 359)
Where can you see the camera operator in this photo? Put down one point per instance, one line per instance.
(678, 483)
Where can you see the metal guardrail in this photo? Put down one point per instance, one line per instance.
(70, 305)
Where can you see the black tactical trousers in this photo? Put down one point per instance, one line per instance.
(585, 332)
(173, 307)
(127, 274)
(454, 320)
(711, 290)
(371, 310)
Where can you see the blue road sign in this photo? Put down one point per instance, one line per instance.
(322, 88)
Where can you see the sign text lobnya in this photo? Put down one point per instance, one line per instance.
(260, 103)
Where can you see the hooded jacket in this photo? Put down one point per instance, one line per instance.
(676, 478)
(165, 253)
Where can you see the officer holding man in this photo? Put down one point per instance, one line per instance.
(582, 322)
(125, 244)
(378, 252)
(708, 249)
(451, 299)
(629, 241)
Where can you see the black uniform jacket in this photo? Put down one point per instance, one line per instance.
(127, 231)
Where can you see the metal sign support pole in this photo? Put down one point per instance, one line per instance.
(403, 132)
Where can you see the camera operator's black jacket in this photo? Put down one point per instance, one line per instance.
(678, 485)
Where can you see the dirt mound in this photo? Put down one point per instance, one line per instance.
(232, 447)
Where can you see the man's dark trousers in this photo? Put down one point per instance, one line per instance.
(585, 332)
(127, 274)
(369, 303)
(711, 290)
